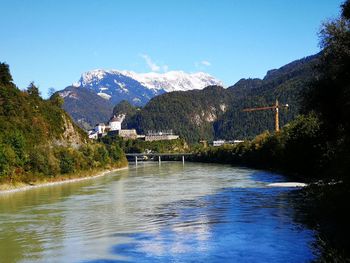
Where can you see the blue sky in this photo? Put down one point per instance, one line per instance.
(52, 42)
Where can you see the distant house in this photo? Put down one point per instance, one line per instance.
(161, 136)
(100, 128)
(93, 134)
(114, 126)
(98, 131)
(218, 143)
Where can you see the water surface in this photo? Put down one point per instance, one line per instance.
(152, 213)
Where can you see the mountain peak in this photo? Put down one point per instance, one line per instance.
(107, 83)
(174, 80)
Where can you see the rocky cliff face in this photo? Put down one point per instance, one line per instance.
(72, 135)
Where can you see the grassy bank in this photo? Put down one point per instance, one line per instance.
(37, 180)
(50, 164)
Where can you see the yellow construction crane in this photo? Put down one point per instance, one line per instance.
(275, 107)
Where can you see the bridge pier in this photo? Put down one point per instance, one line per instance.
(159, 160)
(183, 159)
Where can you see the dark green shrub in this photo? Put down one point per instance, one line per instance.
(67, 163)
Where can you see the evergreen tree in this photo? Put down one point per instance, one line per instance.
(33, 90)
(5, 76)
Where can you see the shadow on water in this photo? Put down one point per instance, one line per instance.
(325, 208)
(233, 225)
(267, 177)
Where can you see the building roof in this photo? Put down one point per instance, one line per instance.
(118, 118)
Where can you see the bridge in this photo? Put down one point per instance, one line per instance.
(159, 155)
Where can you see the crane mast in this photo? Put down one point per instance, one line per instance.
(275, 107)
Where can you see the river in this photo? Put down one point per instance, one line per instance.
(157, 213)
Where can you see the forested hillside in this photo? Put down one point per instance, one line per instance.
(38, 139)
(188, 113)
(216, 112)
(124, 107)
(287, 84)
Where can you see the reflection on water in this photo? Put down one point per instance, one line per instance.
(152, 213)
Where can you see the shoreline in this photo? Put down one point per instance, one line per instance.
(26, 187)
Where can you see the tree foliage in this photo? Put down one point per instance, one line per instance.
(297, 149)
(329, 95)
(5, 76)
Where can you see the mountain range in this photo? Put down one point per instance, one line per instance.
(195, 106)
(91, 99)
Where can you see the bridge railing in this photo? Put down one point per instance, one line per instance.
(159, 155)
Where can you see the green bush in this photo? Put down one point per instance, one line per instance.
(16, 141)
(101, 155)
(7, 159)
(67, 164)
(115, 152)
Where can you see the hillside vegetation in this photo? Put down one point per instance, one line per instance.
(38, 139)
(189, 114)
(287, 84)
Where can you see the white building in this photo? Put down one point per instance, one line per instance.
(100, 128)
(218, 143)
(161, 136)
(115, 123)
(93, 134)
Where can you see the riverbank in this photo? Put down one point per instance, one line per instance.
(70, 178)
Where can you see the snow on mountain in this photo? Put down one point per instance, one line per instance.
(114, 86)
(139, 88)
(174, 80)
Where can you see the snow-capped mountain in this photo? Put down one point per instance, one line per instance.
(174, 80)
(115, 85)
